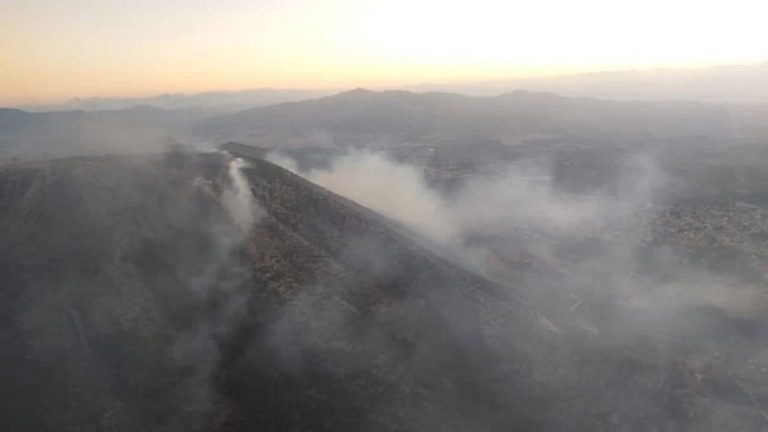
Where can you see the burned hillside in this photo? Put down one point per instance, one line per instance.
(152, 293)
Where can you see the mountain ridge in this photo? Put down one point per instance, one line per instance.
(363, 118)
(124, 310)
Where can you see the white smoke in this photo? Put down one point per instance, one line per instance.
(521, 196)
(284, 161)
(221, 277)
(395, 190)
(520, 208)
(589, 264)
(238, 199)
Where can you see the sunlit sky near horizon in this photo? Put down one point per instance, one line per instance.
(55, 50)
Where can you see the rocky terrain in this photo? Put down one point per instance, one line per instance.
(581, 382)
(138, 295)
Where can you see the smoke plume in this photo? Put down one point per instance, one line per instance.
(600, 240)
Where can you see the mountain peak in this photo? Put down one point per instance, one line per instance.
(359, 91)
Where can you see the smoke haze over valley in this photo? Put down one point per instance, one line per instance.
(532, 250)
(376, 216)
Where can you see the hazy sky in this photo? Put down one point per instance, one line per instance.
(53, 50)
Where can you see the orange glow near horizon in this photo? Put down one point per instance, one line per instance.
(56, 50)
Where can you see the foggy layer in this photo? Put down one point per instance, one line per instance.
(306, 310)
(588, 267)
(600, 243)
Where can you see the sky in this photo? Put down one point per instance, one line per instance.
(57, 50)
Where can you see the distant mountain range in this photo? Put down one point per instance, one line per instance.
(214, 101)
(65, 133)
(746, 83)
(365, 118)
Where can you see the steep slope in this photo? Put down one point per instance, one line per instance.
(449, 349)
(107, 268)
(133, 299)
(360, 328)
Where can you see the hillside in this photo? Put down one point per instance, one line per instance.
(133, 300)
